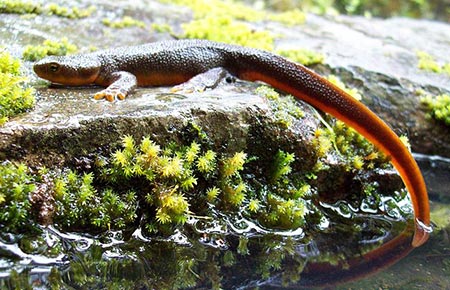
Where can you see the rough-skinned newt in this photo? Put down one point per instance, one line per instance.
(175, 62)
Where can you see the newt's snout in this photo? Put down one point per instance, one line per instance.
(74, 70)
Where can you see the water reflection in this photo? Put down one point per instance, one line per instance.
(229, 253)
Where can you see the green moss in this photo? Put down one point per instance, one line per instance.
(19, 7)
(284, 213)
(16, 186)
(169, 174)
(15, 97)
(351, 91)
(29, 7)
(303, 56)
(49, 47)
(291, 17)
(232, 165)
(68, 12)
(173, 172)
(225, 29)
(428, 63)
(284, 197)
(438, 107)
(281, 165)
(126, 21)
(162, 28)
(206, 163)
(231, 9)
(224, 21)
(285, 109)
(80, 206)
(352, 147)
(354, 152)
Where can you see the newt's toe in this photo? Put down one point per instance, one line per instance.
(110, 95)
(99, 95)
(121, 96)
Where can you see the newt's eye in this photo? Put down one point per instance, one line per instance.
(54, 67)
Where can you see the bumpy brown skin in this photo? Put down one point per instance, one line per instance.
(175, 62)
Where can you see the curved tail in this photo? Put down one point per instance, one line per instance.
(306, 85)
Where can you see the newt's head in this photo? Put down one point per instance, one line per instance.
(75, 70)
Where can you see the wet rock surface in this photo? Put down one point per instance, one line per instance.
(70, 123)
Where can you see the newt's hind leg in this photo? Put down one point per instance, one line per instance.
(121, 84)
(207, 80)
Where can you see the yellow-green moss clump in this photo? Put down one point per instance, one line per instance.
(291, 17)
(19, 7)
(68, 12)
(79, 205)
(126, 21)
(356, 151)
(29, 7)
(173, 175)
(428, 63)
(162, 28)
(285, 109)
(224, 21)
(15, 97)
(232, 9)
(16, 185)
(438, 107)
(225, 29)
(49, 47)
(169, 183)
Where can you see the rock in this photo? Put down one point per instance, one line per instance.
(61, 129)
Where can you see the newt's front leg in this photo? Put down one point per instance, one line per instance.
(120, 84)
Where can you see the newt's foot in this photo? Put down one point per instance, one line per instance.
(207, 80)
(111, 94)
